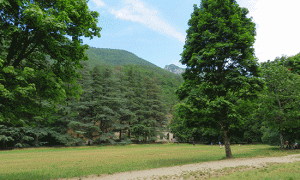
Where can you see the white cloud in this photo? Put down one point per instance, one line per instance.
(136, 11)
(99, 3)
(277, 28)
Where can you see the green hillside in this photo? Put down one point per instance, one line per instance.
(167, 81)
(115, 57)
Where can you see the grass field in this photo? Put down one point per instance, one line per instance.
(272, 171)
(53, 163)
(288, 171)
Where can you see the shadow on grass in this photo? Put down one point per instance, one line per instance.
(180, 161)
(46, 175)
(25, 176)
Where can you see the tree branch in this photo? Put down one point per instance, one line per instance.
(11, 50)
(20, 58)
(21, 54)
(28, 41)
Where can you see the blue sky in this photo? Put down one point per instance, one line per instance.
(155, 30)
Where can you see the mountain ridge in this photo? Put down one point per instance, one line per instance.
(174, 69)
(115, 57)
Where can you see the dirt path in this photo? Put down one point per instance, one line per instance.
(204, 166)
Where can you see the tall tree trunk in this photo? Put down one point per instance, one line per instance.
(227, 145)
(281, 139)
(3, 145)
(36, 140)
(129, 131)
(120, 137)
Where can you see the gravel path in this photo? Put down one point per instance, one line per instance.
(204, 166)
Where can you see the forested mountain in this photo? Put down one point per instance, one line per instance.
(123, 98)
(167, 81)
(174, 69)
(114, 57)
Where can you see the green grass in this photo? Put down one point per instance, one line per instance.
(53, 163)
(288, 171)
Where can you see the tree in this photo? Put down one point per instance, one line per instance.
(282, 98)
(32, 30)
(154, 115)
(126, 115)
(253, 120)
(131, 95)
(150, 114)
(111, 111)
(221, 67)
(85, 122)
(292, 62)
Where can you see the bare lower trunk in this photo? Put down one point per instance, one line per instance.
(120, 137)
(36, 140)
(227, 146)
(281, 139)
(129, 131)
(3, 145)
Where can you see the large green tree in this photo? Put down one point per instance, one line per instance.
(222, 70)
(40, 52)
(282, 98)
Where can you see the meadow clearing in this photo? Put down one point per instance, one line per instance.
(67, 162)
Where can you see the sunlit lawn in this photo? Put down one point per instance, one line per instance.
(270, 171)
(286, 171)
(51, 163)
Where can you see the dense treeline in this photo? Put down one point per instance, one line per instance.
(273, 118)
(116, 104)
(119, 103)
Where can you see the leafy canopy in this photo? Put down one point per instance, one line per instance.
(32, 30)
(281, 98)
(221, 68)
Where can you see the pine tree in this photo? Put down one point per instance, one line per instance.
(110, 107)
(84, 124)
(151, 113)
(125, 114)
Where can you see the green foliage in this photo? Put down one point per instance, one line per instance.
(84, 122)
(130, 100)
(281, 98)
(110, 102)
(151, 114)
(270, 136)
(167, 81)
(31, 30)
(221, 67)
(115, 57)
(292, 63)
(20, 137)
